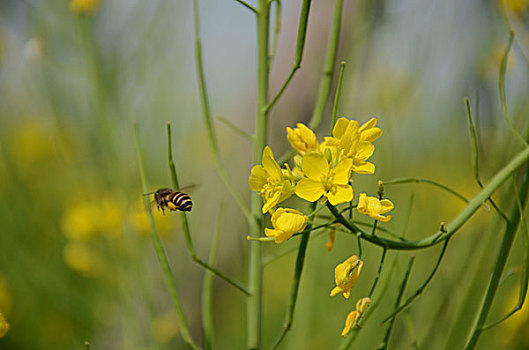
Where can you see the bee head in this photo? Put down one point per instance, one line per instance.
(161, 193)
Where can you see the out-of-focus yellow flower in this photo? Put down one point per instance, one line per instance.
(164, 327)
(6, 301)
(140, 222)
(4, 325)
(354, 316)
(322, 180)
(270, 182)
(286, 222)
(302, 139)
(89, 219)
(332, 235)
(32, 142)
(517, 6)
(354, 142)
(81, 259)
(373, 207)
(345, 275)
(87, 7)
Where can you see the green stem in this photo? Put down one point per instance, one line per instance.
(247, 5)
(160, 252)
(328, 69)
(385, 341)
(300, 46)
(503, 253)
(207, 117)
(185, 223)
(501, 83)
(422, 287)
(473, 205)
(207, 287)
(337, 96)
(235, 128)
(379, 272)
(475, 158)
(300, 261)
(255, 271)
(404, 180)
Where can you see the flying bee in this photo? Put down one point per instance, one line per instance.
(172, 200)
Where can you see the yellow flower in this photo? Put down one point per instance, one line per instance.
(270, 182)
(354, 142)
(81, 259)
(85, 6)
(373, 207)
(4, 325)
(322, 180)
(286, 222)
(302, 139)
(346, 274)
(354, 316)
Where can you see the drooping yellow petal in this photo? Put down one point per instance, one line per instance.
(258, 178)
(310, 190)
(364, 168)
(335, 291)
(346, 275)
(349, 321)
(314, 165)
(341, 194)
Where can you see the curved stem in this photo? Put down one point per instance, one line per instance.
(404, 180)
(160, 252)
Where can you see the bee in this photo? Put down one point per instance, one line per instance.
(172, 200)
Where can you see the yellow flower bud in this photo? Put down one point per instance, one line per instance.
(286, 222)
(302, 139)
(374, 207)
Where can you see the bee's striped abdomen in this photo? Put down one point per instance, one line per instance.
(181, 200)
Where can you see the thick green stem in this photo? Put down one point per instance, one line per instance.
(503, 254)
(255, 278)
(473, 205)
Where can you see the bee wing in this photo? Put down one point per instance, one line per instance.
(188, 187)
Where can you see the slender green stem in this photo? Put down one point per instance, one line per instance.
(385, 341)
(501, 83)
(277, 30)
(473, 205)
(379, 272)
(160, 252)
(300, 46)
(475, 158)
(359, 245)
(255, 271)
(235, 128)
(207, 117)
(207, 287)
(404, 180)
(337, 96)
(328, 68)
(525, 269)
(273, 257)
(185, 223)
(503, 253)
(300, 261)
(422, 287)
(247, 5)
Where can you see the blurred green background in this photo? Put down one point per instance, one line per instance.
(76, 260)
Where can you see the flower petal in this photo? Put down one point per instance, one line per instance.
(314, 166)
(258, 178)
(364, 150)
(386, 205)
(342, 172)
(343, 193)
(349, 321)
(309, 190)
(270, 164)
(271, 202)
(364, 168)
(339, 127)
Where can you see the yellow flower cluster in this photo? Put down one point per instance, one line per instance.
(323, 171)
